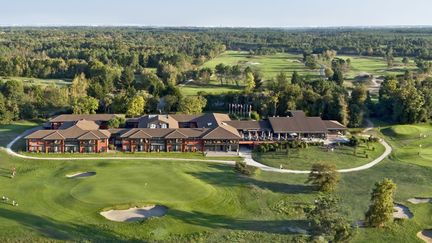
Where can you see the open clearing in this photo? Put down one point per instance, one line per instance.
(201, 197)
(39, 81)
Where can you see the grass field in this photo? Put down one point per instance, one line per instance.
(38, 81)
(270, 65)
(211, 88)
(376, 66)
(303, 159)
(207, 202)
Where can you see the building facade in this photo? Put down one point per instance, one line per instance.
(174, 133)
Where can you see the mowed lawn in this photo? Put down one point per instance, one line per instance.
(376, 66)
(207, 202)
(270, 65)
(303, 159)
(414, 143)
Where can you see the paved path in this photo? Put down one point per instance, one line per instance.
(388, 149)
(246, 154)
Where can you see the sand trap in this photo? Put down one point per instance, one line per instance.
(81, 174)
(402, 212)
(135, 214)
(254, 63)
(419, 200)
(425, 235)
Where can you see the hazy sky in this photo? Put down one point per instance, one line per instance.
(248, 13)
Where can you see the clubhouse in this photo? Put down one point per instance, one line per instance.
(174, 133)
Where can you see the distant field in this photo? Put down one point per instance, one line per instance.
(39, 81)
(376, 66)
(270, 65)
(211, 88)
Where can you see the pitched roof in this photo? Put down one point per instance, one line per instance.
(140, 134)
(334, 125)
(211, 119)
(221, 133)
(39, 134)
(250, 125)
(143, 121)
(297, 124)
(176, 134)
(87, 125)
(76, 117)
(54, 136)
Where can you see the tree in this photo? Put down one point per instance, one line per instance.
(85, 105)
(405, 61)
(324, 176)
(135, 106)
(116, 122)
(338, 77)
(79, 87)
(380, 212)
(327, 220)
(250, 83)
(328, 72)
(192, 104)
(295, 78)
(357, 108)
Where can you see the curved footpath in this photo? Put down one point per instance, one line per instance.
(247, 155)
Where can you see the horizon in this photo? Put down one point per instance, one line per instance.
(238, 14)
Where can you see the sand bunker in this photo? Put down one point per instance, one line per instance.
(402, 212)
(135, 214)
(81, 174)
(419, 200)
(254, 63)
(425, 235)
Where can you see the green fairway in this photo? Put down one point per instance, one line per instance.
(303, 159)
(39, 81)
(376, 66)
(207, 202)
(211, 88)
(270, 65)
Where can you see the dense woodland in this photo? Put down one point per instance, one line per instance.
(137, 70)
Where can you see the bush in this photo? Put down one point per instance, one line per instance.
(255, 116)
(354, 141)
(111, 146)
(243, 168)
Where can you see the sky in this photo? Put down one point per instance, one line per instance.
(217, 13)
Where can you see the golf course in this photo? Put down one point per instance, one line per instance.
(204, 201)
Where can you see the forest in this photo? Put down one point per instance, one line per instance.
(134, 71)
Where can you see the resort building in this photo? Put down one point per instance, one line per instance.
(174, 133)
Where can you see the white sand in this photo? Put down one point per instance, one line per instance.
(402, 212)
(135, 214)
(81, 174)
(419, 200)
(425, 235)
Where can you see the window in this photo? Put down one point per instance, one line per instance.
(163, 125)
(152, 125)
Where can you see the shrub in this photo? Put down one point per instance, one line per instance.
(354, 141)
(111, 146)
(243, 168)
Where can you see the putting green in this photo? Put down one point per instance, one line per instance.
(137, 182)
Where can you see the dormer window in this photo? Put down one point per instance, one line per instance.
(163, 125)
(152, 125)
